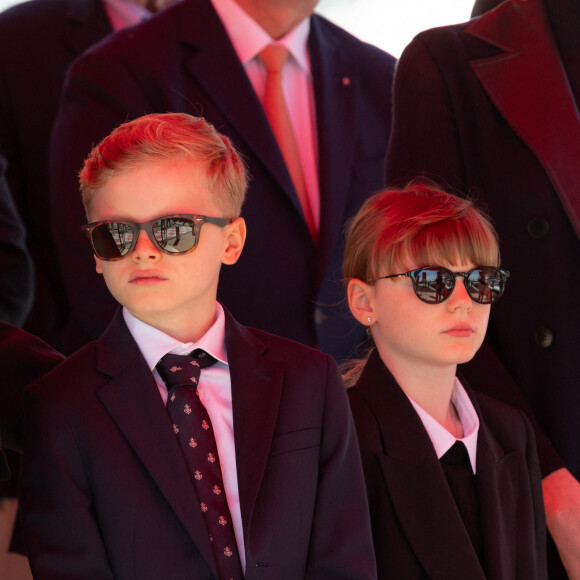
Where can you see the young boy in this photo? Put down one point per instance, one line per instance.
(127, 469)
(453, 480)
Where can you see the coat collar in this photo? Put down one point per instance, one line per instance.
(420, 494)
(336, 92)
(132, 399)
(528, 84)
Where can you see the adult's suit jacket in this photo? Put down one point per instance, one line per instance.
(485, 108)
(417, 529)
(38, 41)
(183, 61)
(106, 493)
(17, 276)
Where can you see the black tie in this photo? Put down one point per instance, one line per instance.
(194, 431)
(461, 480)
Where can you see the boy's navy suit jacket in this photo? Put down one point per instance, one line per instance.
(417, 529)
(183, 61)
(106, 492)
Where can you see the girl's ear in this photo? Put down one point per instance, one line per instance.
(360, 301)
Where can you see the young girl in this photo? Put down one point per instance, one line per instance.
(452, 478)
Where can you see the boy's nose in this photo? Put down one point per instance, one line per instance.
(145, 249)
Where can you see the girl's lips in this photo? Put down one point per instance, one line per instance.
(459, 331)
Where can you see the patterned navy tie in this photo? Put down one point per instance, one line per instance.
(194, 431)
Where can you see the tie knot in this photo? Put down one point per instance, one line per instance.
(273, 57)
(456, 455)
(180, 370)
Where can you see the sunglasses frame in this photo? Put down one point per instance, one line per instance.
(136, 227)
(413, 274)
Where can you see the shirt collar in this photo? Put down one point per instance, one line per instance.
(155, 344)
(441, 438)
(249, 38)
(124, 13)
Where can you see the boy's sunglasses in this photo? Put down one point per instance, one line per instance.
(435, 284)
(172, 234)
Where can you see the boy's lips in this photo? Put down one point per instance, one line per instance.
(144, 278)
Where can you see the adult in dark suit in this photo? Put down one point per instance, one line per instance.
(149, 524)
(38, 41)
(482, 6)
(183, 60)
(417, 530)
(489, 108)
(16, 284)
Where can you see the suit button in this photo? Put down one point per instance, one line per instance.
(538, 228)
(544, 337)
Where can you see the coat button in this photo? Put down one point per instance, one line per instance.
(538, 228)
(544, 337)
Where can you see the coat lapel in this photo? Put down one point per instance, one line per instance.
(336, 86)
(212, 62)
(256, 392)
(528, 85)
(133, 402)
(415, 481)
(498, 499)
(88, 23)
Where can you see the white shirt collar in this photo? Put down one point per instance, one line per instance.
(154, 344)
(441, 438)
(249, 38)
(124, 13)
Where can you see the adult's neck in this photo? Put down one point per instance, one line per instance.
(278, 17)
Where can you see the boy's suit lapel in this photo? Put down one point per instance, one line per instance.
(256, 392)
(415, 481)
(133, 401)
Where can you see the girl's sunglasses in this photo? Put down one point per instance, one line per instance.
(173, 234)
(434, 284)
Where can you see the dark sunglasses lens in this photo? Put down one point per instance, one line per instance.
(112, 240)
(485, 285)
(433, 285)
(175, 235)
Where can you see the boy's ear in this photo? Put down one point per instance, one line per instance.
(360, 301)
(98, 265)
(235, 240)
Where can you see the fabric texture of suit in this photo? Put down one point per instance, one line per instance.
(38, 41)
(16, 288)
(183, 61)
(485, 108)
(23, 359)
(105, 491)
(417, 529)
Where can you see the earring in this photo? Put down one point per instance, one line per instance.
(369, 319)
